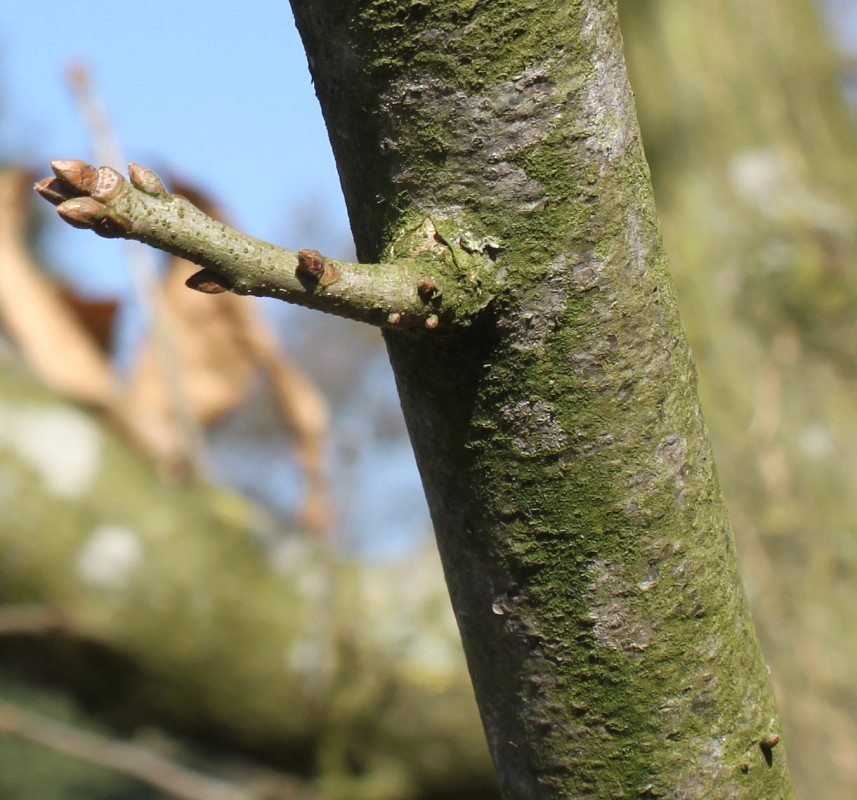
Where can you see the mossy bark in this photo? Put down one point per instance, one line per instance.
(754, 154)
(566, 465)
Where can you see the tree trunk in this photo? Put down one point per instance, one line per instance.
(559, 439)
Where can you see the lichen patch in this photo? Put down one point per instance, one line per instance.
(109, 556)
(534, 426)
(62, 445)
(616, 624)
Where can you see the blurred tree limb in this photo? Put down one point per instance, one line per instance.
(229, 629)
(130, 759)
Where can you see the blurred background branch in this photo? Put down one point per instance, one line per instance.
(138, 762)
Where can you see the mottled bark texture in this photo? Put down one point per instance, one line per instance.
(565, 461)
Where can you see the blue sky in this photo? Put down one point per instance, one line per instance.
(218, 91)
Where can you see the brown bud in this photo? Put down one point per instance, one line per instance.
(208, 282)
(427, 289)
(53, 190)
(432, 321)
(145, 180)
(311, 264)
(108, 183)
(77, 174)
(770, 742)
(330, 275)
(81, 212)
(394, 319)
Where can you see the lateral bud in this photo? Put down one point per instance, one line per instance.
(208, 282)
(330, 275)
(428, 290)
(310, 264)
(313, 266)
(145, 180)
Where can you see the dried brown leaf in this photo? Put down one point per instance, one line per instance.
(51, 338)
(212, 361)
(304, 411)
(221, 342)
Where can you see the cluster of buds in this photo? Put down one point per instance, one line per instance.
(82, 193)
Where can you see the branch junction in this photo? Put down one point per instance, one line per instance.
(403, 294)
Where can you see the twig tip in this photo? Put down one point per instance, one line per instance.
(77, 174)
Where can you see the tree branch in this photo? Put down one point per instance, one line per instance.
(17, 618)
(405, 294)
(130, 759)
(191, 456)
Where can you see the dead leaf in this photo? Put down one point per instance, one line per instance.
(221, 343)
(50, 336)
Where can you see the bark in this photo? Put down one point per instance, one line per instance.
(564, 459)
(754, 154)
(555, 418)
